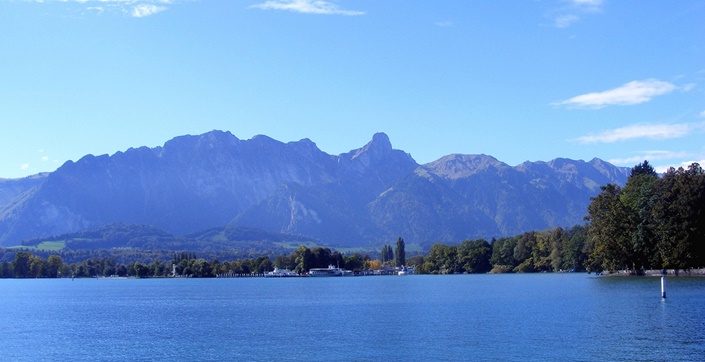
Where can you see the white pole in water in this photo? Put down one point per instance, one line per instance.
(663, 287)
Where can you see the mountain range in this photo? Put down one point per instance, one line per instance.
(368, 196)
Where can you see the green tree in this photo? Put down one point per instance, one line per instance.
(140, 270)
(574, 255)
(503, 253)
(265, 265)
(36, 267)
(304, 259)
(638, 198)
(524, 252)
(679, 213)
(474, 256)
(441, 259)
(558, 242)
(353, 262)
(5, 270)
(54, 265)
(609, 238)
(21, 264)
(400, 253)
(541, 251)
(387, 254)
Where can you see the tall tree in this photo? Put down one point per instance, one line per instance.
(574, 255)
(558, 242)
(679, 213)
(609, 237)
(387, 254)
(638, 197)
(400, 253)
(21, 264)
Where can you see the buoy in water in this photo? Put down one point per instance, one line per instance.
(663, 287)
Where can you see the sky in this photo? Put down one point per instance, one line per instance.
(530, 80)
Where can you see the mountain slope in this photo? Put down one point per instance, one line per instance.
(10, 189)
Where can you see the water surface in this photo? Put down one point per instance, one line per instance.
(566, 317)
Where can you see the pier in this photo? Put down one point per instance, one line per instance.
(242, 275)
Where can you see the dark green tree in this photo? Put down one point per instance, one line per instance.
(524, 252)
(474, 256)
(558, 242)
(304, 259)
(679, 213)
(574, 255)
(400, 253)
(609, 237)
(21, 264)
(441, 259)
(638, 197)
(141, 270)
(503, 254)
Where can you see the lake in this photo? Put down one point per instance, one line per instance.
(535, 317)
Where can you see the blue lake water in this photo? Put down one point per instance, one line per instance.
(536, 317)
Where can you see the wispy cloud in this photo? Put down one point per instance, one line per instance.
(564, 21)
(306, 7)
(444, 24)
(650, 156)
(645, 131)
(142, 10)
(134, 8)
(662, 168)
(635, 92)
(662, 160)
(571, 11)
(24, 166)
(702, 114)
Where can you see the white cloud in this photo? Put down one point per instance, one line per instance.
(648, 131)
(635, 92)
(572, 11)
(134, 8)
(142, 10)
(564, 21)
(664, 167)
(24, 166)
(45, 158)
(306, 7)
(588, 4)
(649, 156)
(702, 114)
(661, 160)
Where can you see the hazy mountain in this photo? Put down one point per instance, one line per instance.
(10, 189)
(369, 195)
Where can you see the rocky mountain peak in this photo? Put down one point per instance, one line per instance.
(378, 146)
(457, 166)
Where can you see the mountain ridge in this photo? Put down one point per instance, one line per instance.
(368, 195)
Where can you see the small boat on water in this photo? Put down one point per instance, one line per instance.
(330, 271)
(281, 273)
(405, 271)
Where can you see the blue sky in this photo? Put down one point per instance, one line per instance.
(535, 80)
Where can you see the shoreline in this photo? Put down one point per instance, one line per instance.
(700, 272)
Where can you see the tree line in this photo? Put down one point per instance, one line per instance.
(26, 264)
(651, 223)
(550, 250)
